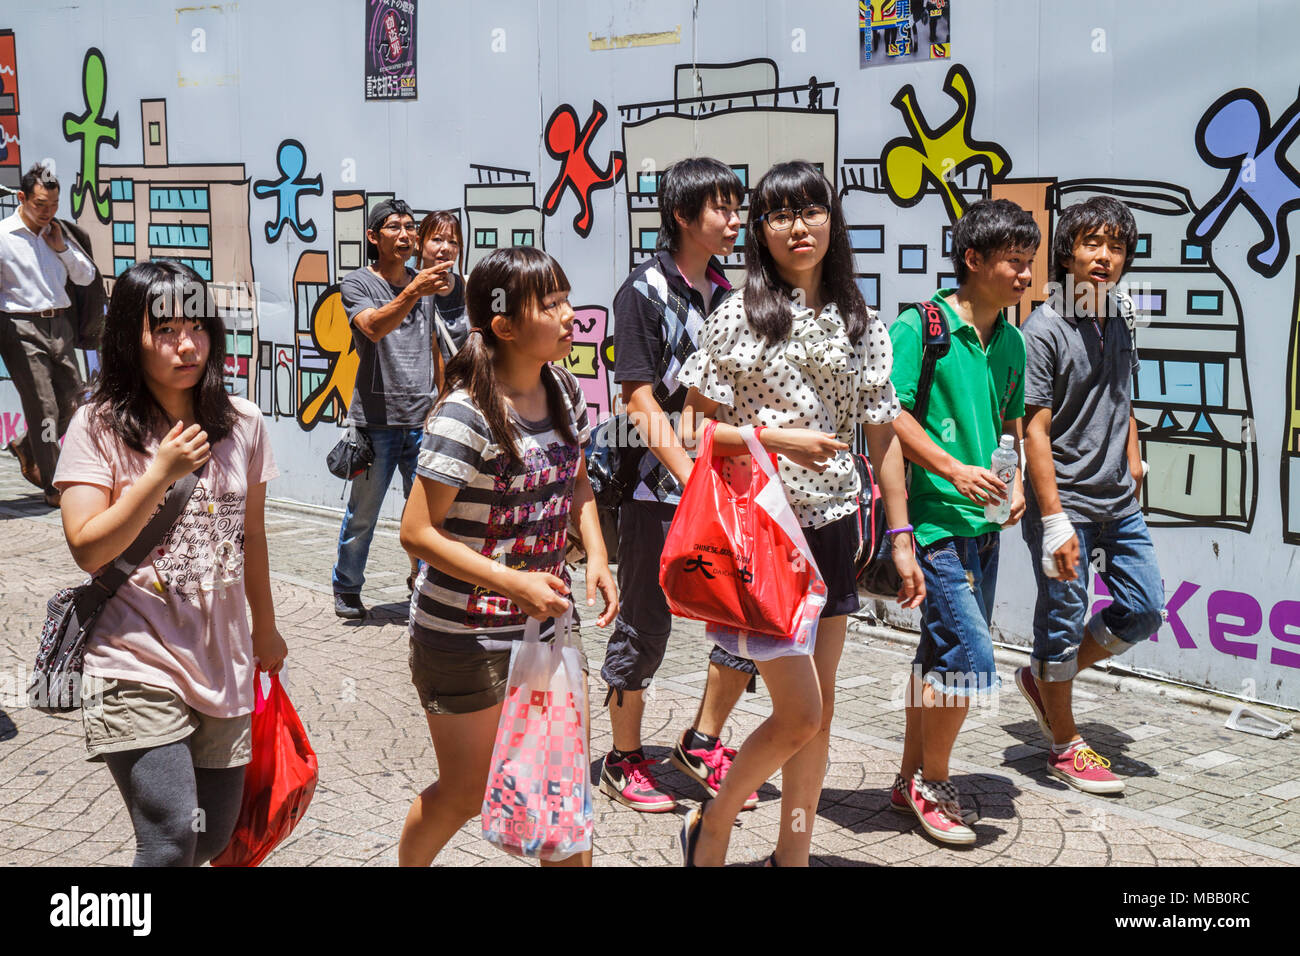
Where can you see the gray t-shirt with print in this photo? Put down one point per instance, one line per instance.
(1083, 371)
(394, 387)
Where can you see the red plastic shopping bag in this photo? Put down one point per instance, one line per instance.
(735, 556)
(538, 798)
(278, 783)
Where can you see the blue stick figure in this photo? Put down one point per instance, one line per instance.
(1235, 134)
(292, 160)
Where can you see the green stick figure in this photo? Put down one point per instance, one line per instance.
(91, 128)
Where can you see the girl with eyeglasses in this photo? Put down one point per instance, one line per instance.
(799, 353)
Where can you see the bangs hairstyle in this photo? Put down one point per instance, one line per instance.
(1100, 214)
(686, 187)
(434, 223)
(512, 283)
(157, 291)
(767, 296)
(988, 227)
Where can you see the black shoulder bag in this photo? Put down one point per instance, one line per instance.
(55, 685)
(874, 563)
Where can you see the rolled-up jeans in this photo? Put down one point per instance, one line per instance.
(1122, 553)
(396, 449)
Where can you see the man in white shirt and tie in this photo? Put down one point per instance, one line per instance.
(36, 332)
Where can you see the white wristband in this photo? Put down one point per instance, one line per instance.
(1057, 531)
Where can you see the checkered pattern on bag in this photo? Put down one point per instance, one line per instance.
(538, 798)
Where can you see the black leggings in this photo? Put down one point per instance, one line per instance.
(183, 815)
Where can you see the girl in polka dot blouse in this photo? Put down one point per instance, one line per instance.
(798, 352)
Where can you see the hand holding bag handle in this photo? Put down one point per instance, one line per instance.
(773, 499)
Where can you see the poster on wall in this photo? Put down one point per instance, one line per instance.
(903, 31)
(10, 161)
(390, 49)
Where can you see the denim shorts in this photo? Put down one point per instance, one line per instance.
(1121, 552)
(955, 654)
(644, 623)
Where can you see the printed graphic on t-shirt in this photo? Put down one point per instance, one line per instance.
(204, 551)
(535, 518)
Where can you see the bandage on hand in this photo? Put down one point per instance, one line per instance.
(1057, 532)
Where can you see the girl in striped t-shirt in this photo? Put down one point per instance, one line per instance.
(500, 468)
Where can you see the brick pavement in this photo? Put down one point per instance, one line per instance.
(1197, 793)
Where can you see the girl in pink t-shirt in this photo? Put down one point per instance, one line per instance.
(169, 667)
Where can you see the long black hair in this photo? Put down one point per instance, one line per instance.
(157, 291)
(509, 282)
(767, 296)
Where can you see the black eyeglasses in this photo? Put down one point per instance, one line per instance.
(783, 219)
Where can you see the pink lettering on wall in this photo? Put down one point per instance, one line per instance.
(11, 427)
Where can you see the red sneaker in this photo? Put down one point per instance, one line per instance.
(1029, 687)
(898, 802)
(938, 807)
(708, 767)
(630, 782)
(1084, 769)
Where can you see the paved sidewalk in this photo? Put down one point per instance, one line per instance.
(1197, 793)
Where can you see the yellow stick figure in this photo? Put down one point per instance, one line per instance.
(938, 155)
(333, 336)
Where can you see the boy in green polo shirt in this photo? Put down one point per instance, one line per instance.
(976, 396)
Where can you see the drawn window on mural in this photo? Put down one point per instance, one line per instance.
(124, 232)
(179, 199)
(169, 235)
(869, 286)
(308, 293)
(911, 259)
(349, 255)
(1142, 250)
(740, 239)
(742, 173)
(1194, 384)
(521, 237)
(647, 239)
(1151, 302)
(155, 133)
(202, 266)
(647, 184)
(121, 264)
(1202, 302)
(123, 190)
(1193, 252)
(946, 242)
(485, 238)
(867, 238)
(948, 280)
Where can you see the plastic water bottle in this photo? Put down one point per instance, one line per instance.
(1005, 463)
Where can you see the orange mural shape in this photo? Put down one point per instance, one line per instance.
(333, 336)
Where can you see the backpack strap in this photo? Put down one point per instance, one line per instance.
(178, 496)
(935, 342)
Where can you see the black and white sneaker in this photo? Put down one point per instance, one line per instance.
(349, 606)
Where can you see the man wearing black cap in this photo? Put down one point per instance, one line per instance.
(389, 310)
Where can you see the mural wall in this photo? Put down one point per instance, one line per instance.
(549, 125)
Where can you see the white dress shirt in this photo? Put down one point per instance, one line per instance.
(32, 275)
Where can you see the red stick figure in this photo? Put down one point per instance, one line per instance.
(568, 144)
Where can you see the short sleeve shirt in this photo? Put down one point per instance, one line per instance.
(975, 392)
(1083, 371)
(816, 378)
(516, 515)
(180, 620)
(394, 385)
(658, 318)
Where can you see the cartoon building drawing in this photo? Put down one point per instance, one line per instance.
(500, 211)
(738, 112)
(588, 360)
(195, 213)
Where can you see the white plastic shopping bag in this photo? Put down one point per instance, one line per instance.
(538, 799)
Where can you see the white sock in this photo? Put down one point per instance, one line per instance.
(1058, 749)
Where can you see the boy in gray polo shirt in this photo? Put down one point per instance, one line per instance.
(1085, 475)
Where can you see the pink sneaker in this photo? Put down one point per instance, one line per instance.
(938, 807)
(708, 767)
(1084, 769)
(898, 802)
(631, 783)
(1029, 687)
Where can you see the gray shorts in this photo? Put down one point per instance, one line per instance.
(641, 630)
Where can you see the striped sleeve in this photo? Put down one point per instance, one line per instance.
(455, 439)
